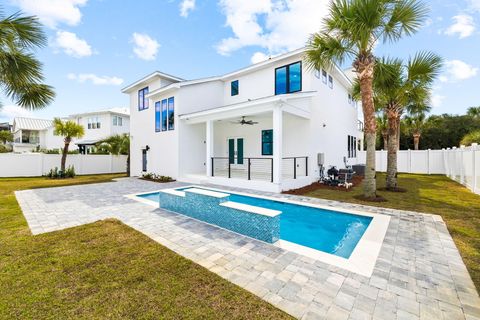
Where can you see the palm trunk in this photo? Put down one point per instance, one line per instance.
(128, 164)
(385, 139)
(366, 89)
(64, 155)
(416, 140)
(393, 122)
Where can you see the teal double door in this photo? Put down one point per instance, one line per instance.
(235, 150)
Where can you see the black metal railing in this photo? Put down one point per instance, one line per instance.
(251, 168)
(247, 168)
(293, 167)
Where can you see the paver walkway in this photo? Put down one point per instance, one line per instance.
(419, 272)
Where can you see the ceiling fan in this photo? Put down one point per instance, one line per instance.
(243, 122)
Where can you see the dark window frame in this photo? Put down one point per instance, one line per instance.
(171, 122)
(232, 92)
(144, 105)
(267, 142)
(287, 80)
(158, 110)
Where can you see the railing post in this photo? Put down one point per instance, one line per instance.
(229, 169)
(271, 169)
(306, 166)
(213, 167)
(295, 168)
(249, 164)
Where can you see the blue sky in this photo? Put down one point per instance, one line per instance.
(96, 47)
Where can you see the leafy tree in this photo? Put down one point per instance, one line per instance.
(403, 86)
(20, 72)
(117, 144)
(6, 136)
(68, 130)
(472, 137)
(474, 112)
(416, 122)
(351, 31)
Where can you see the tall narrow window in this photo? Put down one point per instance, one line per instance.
(234, 88)
(158, 116)
(171, 113)
(324, 76)
(267, 142)
(142, 99)
(330, 81)
(120, 121)
(288, 79)
(164, 115)
(115, 121)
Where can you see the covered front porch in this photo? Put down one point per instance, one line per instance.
(261, 145)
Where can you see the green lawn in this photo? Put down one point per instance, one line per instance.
(106, 270)
(436, 194)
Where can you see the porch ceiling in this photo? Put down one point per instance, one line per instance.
(291, 103)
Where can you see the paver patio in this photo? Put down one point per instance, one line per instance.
(419, 272)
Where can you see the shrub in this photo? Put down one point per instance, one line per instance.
(472, 137)
(5, 148)
(58, 174)
(73, 151)
(157, 177)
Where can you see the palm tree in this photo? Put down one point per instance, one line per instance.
(474, 112)
(20, 73)
(415, 122)
(6, 136)
(351, 31)
(399, 86)
(116, 145)
(68, 130)
(382, 126)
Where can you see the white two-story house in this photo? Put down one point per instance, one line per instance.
(261, 127)
(31, 134)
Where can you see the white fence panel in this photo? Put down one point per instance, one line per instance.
(38, 164)
(459, 164)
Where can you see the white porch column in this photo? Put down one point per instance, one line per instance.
(277, 144)
(209, 146)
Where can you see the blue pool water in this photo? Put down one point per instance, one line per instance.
(326, 230)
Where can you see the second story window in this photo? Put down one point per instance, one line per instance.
(330, 81)
(165, 115)
(142, 99)
(288, 79)
(93, 123)
(117, 121)
(234, 88)
(324, 76)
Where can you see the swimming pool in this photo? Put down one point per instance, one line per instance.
(329, 231)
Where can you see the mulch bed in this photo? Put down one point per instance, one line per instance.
(356, 180)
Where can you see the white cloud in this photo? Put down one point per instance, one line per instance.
(474, 4)
(437, 100)
(463, 26)
(94, 79)
(269, 23)
(11, 111)
(53, 12)
(186, 6)
(457, 70)
(72, 45)
(259, 57)
(145, 48)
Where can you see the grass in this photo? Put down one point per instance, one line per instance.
(106, 270)
(435, 194)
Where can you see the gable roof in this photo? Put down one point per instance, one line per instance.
(149, 77)
(122, 111)
(21, 123)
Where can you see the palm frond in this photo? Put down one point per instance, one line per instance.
(406, 18)
(324, 50)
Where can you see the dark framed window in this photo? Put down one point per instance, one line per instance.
(234, 88)
(158, 116)
(330, 81)
(324, 76)
(352, 146)
(164, 115)
(171, 113)
(267, 142)
(288, 79)
(142, 99)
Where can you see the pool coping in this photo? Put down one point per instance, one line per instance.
(362, 259)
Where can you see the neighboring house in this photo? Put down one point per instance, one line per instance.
(5, 126)
(100, 125)
(30, 134)
(261, 127)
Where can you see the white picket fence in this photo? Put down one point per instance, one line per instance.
(460, 164)
(37, 164)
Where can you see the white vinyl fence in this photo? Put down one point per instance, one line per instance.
(460, 164)
(38, 164)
